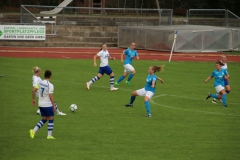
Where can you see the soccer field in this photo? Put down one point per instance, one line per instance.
(183, 124)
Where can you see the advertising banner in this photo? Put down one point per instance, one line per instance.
(22, 32)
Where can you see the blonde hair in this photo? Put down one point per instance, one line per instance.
(158, 68)
(36, 69)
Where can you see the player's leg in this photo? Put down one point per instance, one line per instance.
(94, 79)
(146, 102)
(223, 95)
(139, 92)
(220, 94)
(109, 72)
(227, 86)
(58, 111)
(133, 72)
(50, 118)
(125, 74)
(40, 123)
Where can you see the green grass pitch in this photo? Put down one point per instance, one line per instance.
(184, 126)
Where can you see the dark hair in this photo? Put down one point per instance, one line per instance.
(158, 68)
(47, 74)
(220, 63)
(102, 45)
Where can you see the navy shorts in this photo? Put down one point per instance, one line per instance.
(105, 69)
(226, 82)
(46, 111)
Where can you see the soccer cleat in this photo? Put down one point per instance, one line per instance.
(149, 115)
(208, 96)
(214, 101)
(61, 113)
(50, 137)
(113, 89)
(128, 83)
(129, 105)
(116, 83)
(225, 106)
(31, 132)
(87, 86)
(220, 100)
(38, 112)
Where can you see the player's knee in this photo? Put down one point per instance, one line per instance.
(133, 72)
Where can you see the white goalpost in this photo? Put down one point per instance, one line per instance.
(174, 41)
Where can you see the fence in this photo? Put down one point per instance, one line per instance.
(191, 38)
(90, 16)
(213, 17)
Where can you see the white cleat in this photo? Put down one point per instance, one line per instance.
(220, 100)
(38, 112)
(61, 114)
(87, 86)
(113, 89)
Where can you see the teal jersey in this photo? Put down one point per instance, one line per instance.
(219, 77)
(130, 54)
(150, 79)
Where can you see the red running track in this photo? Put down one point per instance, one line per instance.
(88, 53)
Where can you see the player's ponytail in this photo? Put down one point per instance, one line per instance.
(158, 68)
(36, 69)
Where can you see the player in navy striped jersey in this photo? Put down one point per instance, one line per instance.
(149, 89)
(46, 105)
(36, 80)
(104, 68)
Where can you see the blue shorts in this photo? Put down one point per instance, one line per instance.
(226, 82)
(46, 111)
(105, 69)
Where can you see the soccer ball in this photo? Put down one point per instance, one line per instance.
(73, 107)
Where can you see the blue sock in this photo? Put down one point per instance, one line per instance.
(132, 99)
(120, 79)
(224, 99)
(227, 91)
(50, 127)
(130, 77)
(214, 95)
(147, 105)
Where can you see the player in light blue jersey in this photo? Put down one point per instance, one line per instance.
(149, 89)
(130, 53)
(226, 82)
(220, 75)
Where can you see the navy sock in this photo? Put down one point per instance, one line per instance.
(132, 99)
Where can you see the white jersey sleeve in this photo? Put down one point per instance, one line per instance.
(225, 66)
(34, 81)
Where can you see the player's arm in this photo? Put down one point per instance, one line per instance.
(94, 60)
(124, 52)
(137, 55)
(34, 90)
(227, 77)
(52, 100)
(210, 77)
(162, 81)
(153, 83)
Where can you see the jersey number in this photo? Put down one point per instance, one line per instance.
(42, 91)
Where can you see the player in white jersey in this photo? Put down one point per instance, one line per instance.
(104, 68)
(226, 82)
(46, 105)
(36, 80)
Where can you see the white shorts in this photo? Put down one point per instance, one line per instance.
(219, 88)
(143, 92)
(128, 68)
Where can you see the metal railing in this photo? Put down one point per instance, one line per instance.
(212, 17)
(92, 16)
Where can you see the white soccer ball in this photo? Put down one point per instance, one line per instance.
(73, 107)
